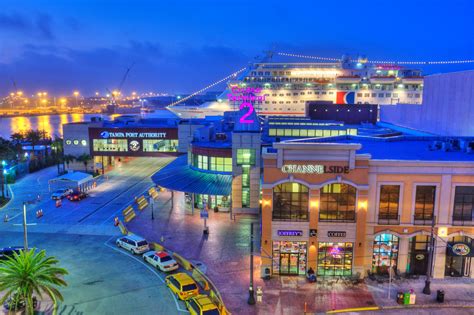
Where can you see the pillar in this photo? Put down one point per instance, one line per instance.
(439, 258)
(362, 249)
(267, 241)
(403, 246)
(314, 197)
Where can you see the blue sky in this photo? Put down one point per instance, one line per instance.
(180, 46)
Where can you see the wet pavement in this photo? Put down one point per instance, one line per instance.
(226, 253)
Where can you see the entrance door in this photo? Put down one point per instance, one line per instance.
(455, 266)
(289, 264)
(420, 263)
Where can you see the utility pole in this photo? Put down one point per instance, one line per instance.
(152, 202)
(25, 232)
(251, 299)
(427, 289)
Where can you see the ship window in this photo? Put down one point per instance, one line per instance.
(295, 102)
(396, 95)
(323, 93)
(274, 95)
(288, 94)
(366, 95)
(387, 94)
(380, 94)
(331, 93)
(374, 94)
(359, 94)
(312, 93)
(295, 94)
(301, 93)
(417, 95)
(281, 95)
(272, 132)
(274, 102)
(280, 102)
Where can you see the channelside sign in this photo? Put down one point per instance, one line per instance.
(314, 169)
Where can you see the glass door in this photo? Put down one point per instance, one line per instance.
(454, 266)
(294, 259)
(284, 263)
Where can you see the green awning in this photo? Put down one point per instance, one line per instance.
(179, 176)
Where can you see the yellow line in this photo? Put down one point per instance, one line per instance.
(369, 308)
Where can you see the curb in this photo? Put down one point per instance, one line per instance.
(398, 307)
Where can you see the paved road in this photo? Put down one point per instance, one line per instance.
(93, 215)
(102, 278)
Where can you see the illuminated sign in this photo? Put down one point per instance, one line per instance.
(110, 134)
(442, 231)
(290, 233)
(313, 73)
(336, 234)
(314, 169)
(461, 249)
(134, 145)
(246, 95)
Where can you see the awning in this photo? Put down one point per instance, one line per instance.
(179, 176)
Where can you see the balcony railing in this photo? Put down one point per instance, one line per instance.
(389, 219)
(332, 216)
(422, 219)
(463, 220)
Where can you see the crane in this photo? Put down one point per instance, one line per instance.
(113, 100)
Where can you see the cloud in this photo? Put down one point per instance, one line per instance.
(39, 25)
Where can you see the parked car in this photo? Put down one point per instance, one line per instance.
(8, 251)
(133, 243)
(77, 196)
(161, 261)
(182, 285)
(202, 305)
(61, 193)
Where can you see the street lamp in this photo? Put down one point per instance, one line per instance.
(427, 289)
(76, 94)
(251, 299)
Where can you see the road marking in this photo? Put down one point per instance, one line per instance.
(106, 243)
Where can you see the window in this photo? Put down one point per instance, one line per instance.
(110, 145)
(290, 202)
(388, 205)
(160, 145)
(245, 156)
(463, 204)
(385, 253)
(338, 203)
(424, 203)
(220, 164)
(335, 259)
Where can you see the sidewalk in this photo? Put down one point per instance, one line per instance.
(225, 252)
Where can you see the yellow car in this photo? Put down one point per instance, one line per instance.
(202, 305)
(182, 285)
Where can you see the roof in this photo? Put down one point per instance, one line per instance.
(183, 278)
(179, 176)
(161, 254)
(78, 177)
(410, 148)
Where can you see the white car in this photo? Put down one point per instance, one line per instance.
(161, 260)
(61, 193)
(133, 243)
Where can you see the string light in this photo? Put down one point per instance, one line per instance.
(443, 62)
(233, 75)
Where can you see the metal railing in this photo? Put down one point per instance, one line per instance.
(422, 219)
(463, 220)
(389, 219)
(332, 216)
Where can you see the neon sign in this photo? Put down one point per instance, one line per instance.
(246, 95)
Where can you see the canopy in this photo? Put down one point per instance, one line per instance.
(179, 176)
(71, 180)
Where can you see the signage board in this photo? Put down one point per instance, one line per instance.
(336, 233)
(460, 249)
(246, 95)
(290, 233)
(313, 232)
(314, 169)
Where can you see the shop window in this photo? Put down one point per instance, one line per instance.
(160, 145)
(335, 259)
(463, 205)
(459, 253)
(110, 145)
(272, 132)
(424, 204)
(385, 254)
(388, 205)
(289, 258)
(338, 203)
(246, 156)
(290, 202)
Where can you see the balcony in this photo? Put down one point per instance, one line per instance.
(389, 219)
(422, 219)
(332, 216)
(463, 220)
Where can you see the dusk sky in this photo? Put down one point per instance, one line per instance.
(181, 46)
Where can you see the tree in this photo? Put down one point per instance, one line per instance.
(58, 152)
(31, 273)
(33, 136)
(68, 158)
(17, 140)
(84, 158)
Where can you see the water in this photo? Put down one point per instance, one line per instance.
(52, 124)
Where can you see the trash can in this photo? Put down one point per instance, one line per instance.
(406, 298)
(400, 297)
(440, 296)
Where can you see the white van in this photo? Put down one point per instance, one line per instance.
(133, 243)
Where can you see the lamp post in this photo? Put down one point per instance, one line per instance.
(25, 232)
(427, 289)
(251, 299)
(3, 177)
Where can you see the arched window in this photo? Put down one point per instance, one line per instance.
(385, 253)
(338, 203)
(290, 202)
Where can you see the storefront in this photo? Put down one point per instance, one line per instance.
(335, 259)
(459, 253)
(289, 258)
(209, 201)
(385, 253)
(418, 254)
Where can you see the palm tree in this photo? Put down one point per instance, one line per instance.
(17, 140)
(33, 136)
(68, 158)
(84, 158)
(31, 273)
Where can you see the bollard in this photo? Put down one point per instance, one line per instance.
(116, 221)
(5, 218)
(259, 294)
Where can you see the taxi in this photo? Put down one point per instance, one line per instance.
(161, 261)
(182, 285)
(202, 305)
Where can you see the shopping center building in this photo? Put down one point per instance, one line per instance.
(350, 205)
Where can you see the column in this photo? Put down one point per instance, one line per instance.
(266, 251)
(403, 246)
(313, 224)
(472, 268)
(362, 249)
(439, 258)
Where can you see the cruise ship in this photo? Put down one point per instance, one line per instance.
(285, 88)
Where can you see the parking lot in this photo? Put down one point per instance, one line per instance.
(102, 278)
